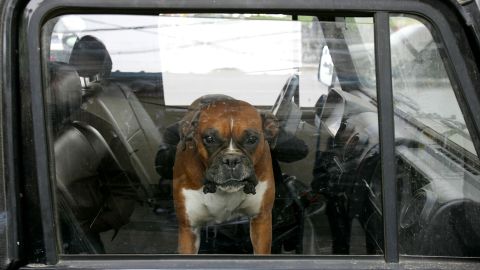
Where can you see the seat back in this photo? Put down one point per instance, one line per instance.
(94, 193)
(118, 115)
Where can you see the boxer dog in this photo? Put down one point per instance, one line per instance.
(223, 170)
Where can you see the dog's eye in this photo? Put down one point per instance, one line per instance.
(252, 140)
(209, 139)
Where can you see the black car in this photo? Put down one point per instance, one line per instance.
(376, 162)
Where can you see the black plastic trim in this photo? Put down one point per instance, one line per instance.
(214, 262)
(10, 132)
(387, 134)
(38, 189)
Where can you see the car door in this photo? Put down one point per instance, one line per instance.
(336, 194)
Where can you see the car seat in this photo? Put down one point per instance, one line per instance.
(94, 193)
(116, 112)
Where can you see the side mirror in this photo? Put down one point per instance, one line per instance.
(325, 69)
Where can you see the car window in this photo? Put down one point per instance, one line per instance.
(118, 101)
(226, 133)
(438, 168)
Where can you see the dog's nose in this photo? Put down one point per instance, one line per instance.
(231, 161)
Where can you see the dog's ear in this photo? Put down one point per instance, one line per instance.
(187, 128)
(271, 128)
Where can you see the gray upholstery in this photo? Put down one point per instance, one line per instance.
(130, 131)
(95, 194)
(123, 121)
(92, 185)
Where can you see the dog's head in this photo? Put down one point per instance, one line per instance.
(230, 137)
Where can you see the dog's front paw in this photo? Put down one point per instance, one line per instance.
(249, 188)
(209, 187)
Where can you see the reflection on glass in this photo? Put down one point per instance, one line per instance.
(437, 166)
(117, 87)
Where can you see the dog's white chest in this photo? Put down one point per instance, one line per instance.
(221, 206)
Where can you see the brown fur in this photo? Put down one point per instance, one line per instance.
(192, 160)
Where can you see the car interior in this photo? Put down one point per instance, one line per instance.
(107, 128)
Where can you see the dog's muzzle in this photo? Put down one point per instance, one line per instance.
(230, 172)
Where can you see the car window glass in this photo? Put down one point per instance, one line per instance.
(437, 166)
(118, 93)
(227, 54)
(419, 76)
(360, 40)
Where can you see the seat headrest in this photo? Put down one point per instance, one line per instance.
(90, 57)
(65, 92)
(207, 99)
